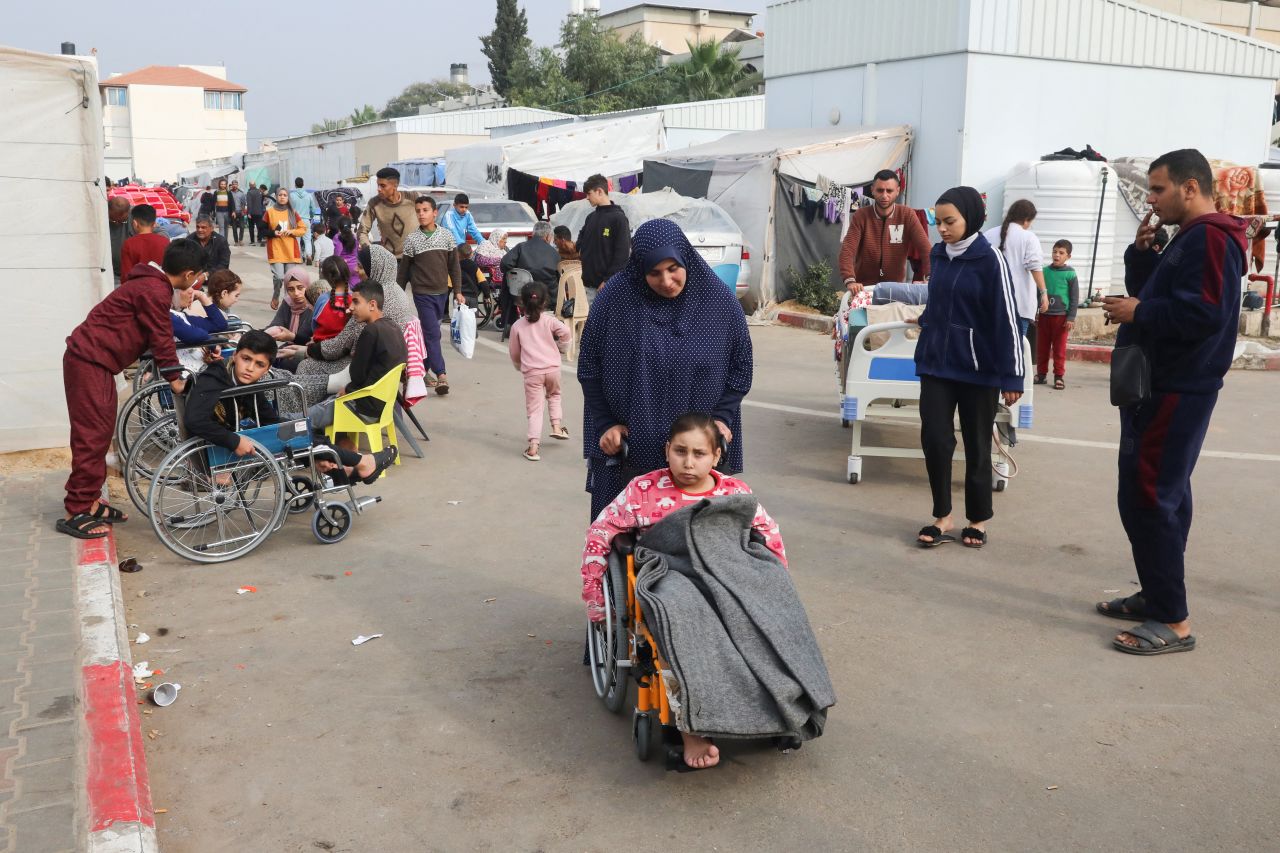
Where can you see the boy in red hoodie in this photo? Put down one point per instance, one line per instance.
(134, 318)
(145, 245)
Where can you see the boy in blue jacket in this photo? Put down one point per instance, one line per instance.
(459, 222)
(1183, 310)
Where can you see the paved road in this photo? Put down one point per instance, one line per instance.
(981, 707)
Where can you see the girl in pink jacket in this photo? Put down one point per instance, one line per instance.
(537, 341)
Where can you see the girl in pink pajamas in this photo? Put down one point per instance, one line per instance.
(692, 454)
(538, 339)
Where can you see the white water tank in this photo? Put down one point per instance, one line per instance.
(1067, 194)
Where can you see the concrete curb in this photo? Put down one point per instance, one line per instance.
(812, 322)
(112, 772)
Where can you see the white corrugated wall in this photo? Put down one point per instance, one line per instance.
(814, 35)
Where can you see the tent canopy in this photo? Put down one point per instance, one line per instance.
(570, 152)
(741, 173)
(54, 239)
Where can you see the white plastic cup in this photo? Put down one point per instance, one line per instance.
(165, 694)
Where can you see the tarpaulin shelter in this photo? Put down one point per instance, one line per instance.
(53, 234)
(569, 152)
(752, 175)
(422, 172)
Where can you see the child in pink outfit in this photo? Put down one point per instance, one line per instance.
(537, 341)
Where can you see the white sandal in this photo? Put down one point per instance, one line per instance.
(532, 457)
(560, 433)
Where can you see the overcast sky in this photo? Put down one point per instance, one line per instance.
(300, 62)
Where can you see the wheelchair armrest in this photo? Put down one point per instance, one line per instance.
(624, 544)
(255, 388)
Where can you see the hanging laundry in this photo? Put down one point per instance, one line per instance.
(628, 183)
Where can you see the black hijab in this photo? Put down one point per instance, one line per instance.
(969, 202)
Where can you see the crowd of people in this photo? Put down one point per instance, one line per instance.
(666, 358)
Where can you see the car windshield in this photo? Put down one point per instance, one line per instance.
(496, 213)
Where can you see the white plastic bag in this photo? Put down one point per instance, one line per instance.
(463, 330)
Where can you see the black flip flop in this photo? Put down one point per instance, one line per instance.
(936, 537)
(1155, 638)
(109, 514)
(381, 460)
(973, 533)
(1133, 607)
(79, 526)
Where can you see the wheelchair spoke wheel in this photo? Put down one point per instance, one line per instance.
(485, 307)
(214, 514)
(331, 523)
(607, 642)
(145, 458)
(151, 403)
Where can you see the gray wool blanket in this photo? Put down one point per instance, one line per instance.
(730, 626)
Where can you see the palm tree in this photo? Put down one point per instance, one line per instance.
(330, 125)
(713, 72)
(364, 115)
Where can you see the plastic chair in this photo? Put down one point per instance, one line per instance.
(345, 420)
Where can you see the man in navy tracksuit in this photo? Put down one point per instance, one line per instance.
(1184, 312)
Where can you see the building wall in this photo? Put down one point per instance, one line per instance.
(412, 145)
(169, 130)
(119, 142)
(1108, 107)
(926, 94)
(1233, 17)
(672, 28)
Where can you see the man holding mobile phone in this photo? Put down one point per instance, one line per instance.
(1183, 311)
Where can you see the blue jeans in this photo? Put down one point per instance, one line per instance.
(431, 311)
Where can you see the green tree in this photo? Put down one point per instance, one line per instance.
(590, 71)
(416, 94)
(506, 45)
(364, 115)
(712, 72)
(329, 125)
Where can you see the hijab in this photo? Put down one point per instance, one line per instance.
(296, 311)
(654, 359)
(969, 202)
(382, 266)
(490, 248)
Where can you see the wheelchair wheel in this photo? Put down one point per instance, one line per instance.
(485, 309)
(331, 523)
(302, 493)
(149, 404)
(644, 726)
(211, 515)
(145, 457)
(607, 641)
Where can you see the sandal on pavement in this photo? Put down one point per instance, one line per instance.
(561, 433)
(936, 537)
(442, 386)
(1133, 607)
(1058, 384)
(381, 461)
(81, 526)
(1039, 380)
(1155, 638)
(531, 453)
(973, 533)
(109, 514)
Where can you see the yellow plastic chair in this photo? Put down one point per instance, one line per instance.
(347, 421)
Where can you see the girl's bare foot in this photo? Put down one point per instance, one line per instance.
(699, 753)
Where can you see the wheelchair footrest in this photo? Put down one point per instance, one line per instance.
(367, 501)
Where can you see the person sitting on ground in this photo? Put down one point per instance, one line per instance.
(322, 241)
(379, 349)
(292, 322)
(145, 246)
(565, 245)
(331, 308)
(692, 451)
(133, 319)
(217, 420)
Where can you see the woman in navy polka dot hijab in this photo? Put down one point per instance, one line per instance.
(665, 336)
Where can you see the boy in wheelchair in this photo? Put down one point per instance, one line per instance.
(218, 421)
(693, 450)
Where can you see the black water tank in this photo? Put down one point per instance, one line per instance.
(68, 48)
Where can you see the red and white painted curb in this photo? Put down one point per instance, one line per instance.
(113, 764)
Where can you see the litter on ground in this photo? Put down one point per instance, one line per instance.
(362, 639)
(242, 590)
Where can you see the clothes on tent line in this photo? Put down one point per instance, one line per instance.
(818, 202)
(548, 196)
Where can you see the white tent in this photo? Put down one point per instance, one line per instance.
(741, 173)
(569, 152)
(53, 234)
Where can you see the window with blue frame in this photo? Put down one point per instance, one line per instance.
(117, 96)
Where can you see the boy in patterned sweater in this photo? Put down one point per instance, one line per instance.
(431, 268)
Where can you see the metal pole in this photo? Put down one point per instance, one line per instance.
(1097, 229)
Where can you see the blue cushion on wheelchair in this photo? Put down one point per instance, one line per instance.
(893, 369)
(276, 438)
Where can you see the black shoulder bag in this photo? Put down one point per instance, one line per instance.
(1130, 376)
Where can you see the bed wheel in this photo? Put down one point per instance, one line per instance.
(844, 423)
(853, 472)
